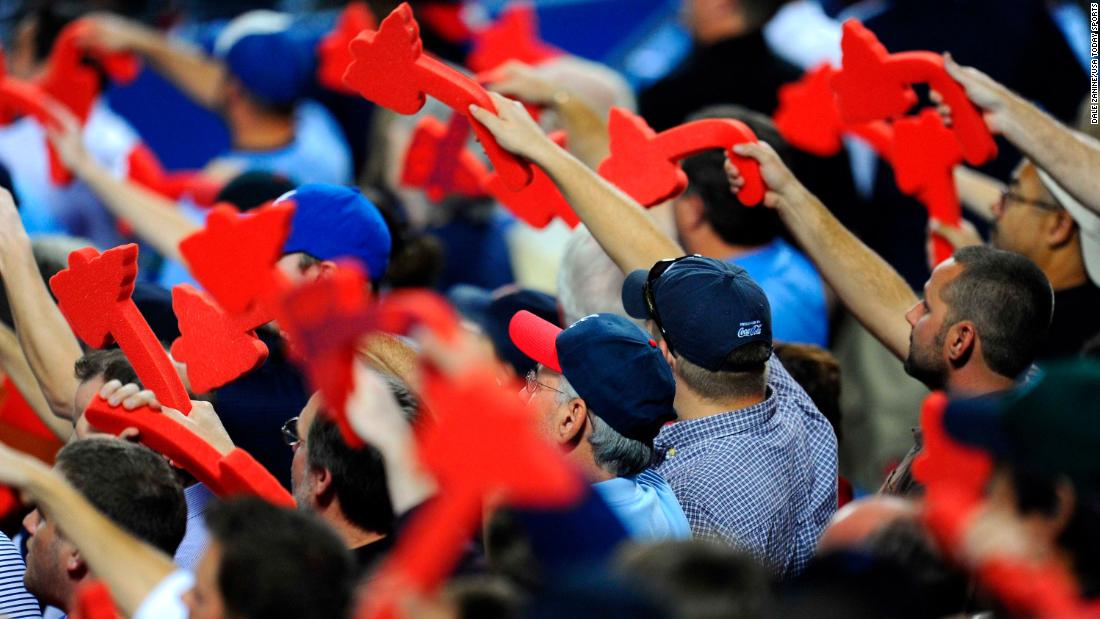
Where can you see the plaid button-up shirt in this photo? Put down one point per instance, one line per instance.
(763, 478)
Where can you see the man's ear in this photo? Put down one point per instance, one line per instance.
(960, 341)
(1060, 229)
(75, 566)
(571, 424)
(321, 485)
(689, 211)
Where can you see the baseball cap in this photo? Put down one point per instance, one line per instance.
(254, 188)
(1049, 426)
(333, 222)
(258, 50)
(492, 311)
(612, 364)
(706, 308)
(1087, 221)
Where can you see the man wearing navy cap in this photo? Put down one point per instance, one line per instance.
(256, 79)
(602, 391)
(752, 461)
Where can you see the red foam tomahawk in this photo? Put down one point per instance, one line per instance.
(875, 85)
(392, 70)
(93, 601)
(333, 55)
(438, 162)
(955, 477)
(234, 259)
(646, 164)
(94, 296)
(225, 475)
(513, 36)
(501, 456)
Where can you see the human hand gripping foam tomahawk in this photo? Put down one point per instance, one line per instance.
(646, 164)
(392, 70)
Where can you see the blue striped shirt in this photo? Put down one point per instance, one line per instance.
(763, 478)
(15, 602)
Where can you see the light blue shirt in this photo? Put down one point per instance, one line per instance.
(795, 292)
(196, 539)
(318, 154)
(646, 506)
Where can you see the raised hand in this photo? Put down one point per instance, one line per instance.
(784, 190)
(203, 421)
(520, 81)
(983, 91)
(513, 128)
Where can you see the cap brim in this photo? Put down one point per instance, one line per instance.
(634, 295)
(1087, 221)
(978, 422)
(535, 338)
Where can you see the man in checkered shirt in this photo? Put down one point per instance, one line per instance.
(752, 461)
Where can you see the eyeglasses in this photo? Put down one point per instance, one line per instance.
(290, 433)
(655, 273)
(1008, 196)
(533, 385)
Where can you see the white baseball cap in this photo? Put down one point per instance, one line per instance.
(1088, 221)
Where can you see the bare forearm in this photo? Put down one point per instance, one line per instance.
(186, 66)
(19, 371)
(153, 217)
(130, 568)
(869, 287)
(50, 348)
(585, 130)
(618, 223)
(977, 192)
(1069, 157)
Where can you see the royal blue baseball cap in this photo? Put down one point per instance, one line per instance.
(331, 221)
(708, 308)
(258, 49)
(616, 368)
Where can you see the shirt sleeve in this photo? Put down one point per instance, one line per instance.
(166, 600)
(15, 601)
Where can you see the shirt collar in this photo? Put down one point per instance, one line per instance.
(197, 497)
(689, 432)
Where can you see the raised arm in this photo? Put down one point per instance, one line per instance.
(130, 568)
(617, 222)
(14, 364)
(585, 130)
(153, 217)
(186, 66)
(50, 347)
(1068, 156)
(869, 287)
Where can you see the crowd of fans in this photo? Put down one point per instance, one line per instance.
(740, 392)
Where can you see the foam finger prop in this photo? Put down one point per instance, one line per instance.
(94, 296)
(391, 69)
(646, 164)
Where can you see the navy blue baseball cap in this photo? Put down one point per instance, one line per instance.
(612, 364)
(331, 221)
(493, 311)
(705, 308)
(258, 49)
(1048, 426)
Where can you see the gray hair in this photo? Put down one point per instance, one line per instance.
(612, 451)
(589, 282)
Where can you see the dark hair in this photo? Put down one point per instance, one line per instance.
(110, 363)
(416, 258)
(131, 484)
(716, 385)
(734, 222)
(1037, 493)
(278, 562)
(358, 476)
(907, 544)
(1008, 299)
(254, 188)
(697, 579)
(484, 597)
(817, 371)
